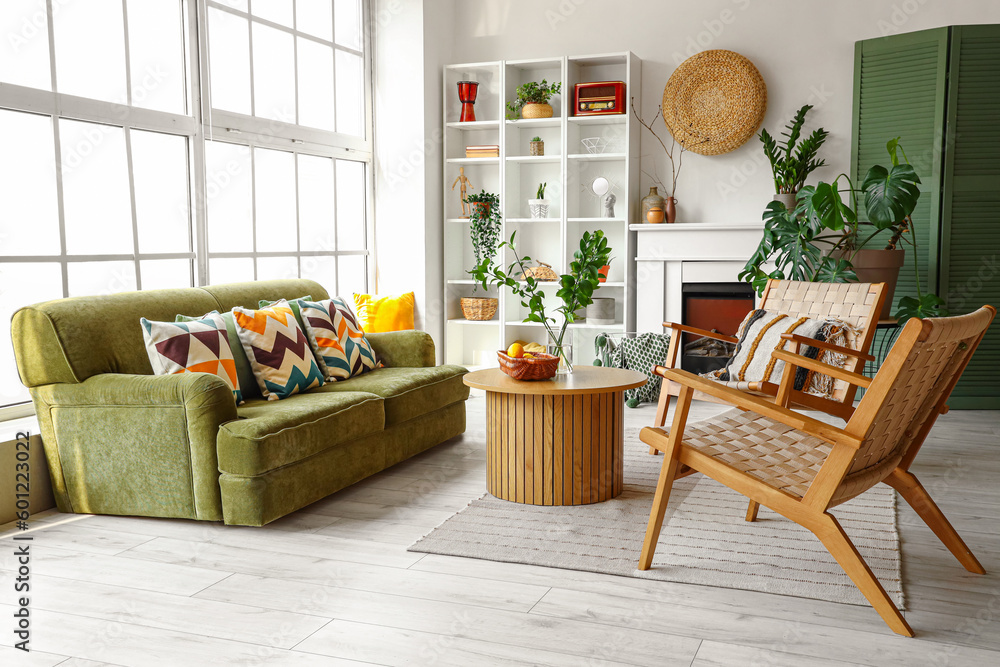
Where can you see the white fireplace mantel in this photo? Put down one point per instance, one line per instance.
(669, 255)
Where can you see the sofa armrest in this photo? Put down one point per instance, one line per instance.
(402, 349)
(136, 444)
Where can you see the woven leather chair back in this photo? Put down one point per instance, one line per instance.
(858, 304)
(910, 388)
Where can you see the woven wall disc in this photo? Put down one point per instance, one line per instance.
(714, 102)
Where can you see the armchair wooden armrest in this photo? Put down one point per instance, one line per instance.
(823, 345)
(761, 406)
(683, 328)
(818, 366)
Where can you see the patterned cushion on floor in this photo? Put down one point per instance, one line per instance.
(196, 346)
(278, 350)
(339, 343)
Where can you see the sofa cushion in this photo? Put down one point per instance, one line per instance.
(270, 434)
(408, 392)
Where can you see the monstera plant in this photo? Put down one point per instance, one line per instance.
(822, 238)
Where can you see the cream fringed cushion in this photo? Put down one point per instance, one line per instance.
(760, 334)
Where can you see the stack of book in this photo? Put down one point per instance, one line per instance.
(491, 150)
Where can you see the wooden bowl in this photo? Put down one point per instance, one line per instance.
(541, 366)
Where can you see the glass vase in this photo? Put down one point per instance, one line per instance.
(565, 354)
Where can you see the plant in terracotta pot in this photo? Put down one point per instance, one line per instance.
(792, 162)
(890, 195)
(484, 229)
(539, 206)
(576, 288)
(824, 239)
(532, 100)
(536, 147)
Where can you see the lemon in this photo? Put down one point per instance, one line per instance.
(529, 355)
(516, 350)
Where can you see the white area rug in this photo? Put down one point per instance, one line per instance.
(705, 539)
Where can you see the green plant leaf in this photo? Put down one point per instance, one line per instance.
(928, 305)
(890, 195)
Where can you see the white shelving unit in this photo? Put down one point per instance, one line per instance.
(567, 169)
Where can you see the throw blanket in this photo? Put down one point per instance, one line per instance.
(638, 354)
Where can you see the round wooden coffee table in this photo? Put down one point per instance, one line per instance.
(558, 441)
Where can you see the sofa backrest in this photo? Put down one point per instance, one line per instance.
(70, 340)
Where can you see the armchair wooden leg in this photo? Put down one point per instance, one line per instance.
(752, 510)
(661, 412)
(916, 495)
(668, 471)
(833, 537)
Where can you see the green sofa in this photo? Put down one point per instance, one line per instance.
(120, 440)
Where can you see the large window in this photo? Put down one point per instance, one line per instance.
(168, 143)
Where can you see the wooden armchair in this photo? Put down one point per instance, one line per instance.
(858, 304)
(800, 467)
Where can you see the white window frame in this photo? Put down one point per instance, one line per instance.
(201, 124)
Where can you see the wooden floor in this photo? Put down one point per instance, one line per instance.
(334, 585)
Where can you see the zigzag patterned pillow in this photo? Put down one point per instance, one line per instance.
(196, 346)
(339, 343)
(278, 350)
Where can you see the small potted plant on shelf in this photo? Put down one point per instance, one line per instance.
(484, 229)
(792, 163)
(536, 147)
(824, 239)
(576, 288)
(539, 206)
(533, 100)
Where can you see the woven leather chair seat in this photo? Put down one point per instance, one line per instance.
(778, 455)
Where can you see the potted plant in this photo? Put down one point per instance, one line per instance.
(822, 237)
(484, 229)
(533, 100)
(536, 147)
(602, 273)
(576, 288)
(890, 197)
(539, 206)
(792, 163)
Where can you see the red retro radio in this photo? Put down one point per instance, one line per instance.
(599, 97)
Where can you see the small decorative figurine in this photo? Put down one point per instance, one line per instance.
(609, 205)
(465, 183)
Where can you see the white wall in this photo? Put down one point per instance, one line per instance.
(408, 219)
(804, 49)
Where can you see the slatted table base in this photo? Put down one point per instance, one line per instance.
(555, 449)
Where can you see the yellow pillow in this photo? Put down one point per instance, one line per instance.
(384, 313)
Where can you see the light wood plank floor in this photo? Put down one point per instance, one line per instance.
(333, 584)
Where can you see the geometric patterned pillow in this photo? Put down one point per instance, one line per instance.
(339, 343)
(278, 350)
(248, 383)
(198, 346)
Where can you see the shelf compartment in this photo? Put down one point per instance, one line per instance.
(461, 321)
(555, 121)
(473, 160)
(534, 159)
(615, 119)
(597, 157)
(474, 126)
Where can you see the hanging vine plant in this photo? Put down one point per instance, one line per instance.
(484, 226)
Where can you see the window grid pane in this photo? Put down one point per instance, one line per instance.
(127, 230)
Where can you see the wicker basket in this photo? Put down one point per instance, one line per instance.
(536, 111)
(714, 102)
(540, 367)
(542, 272)
(479, 308)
